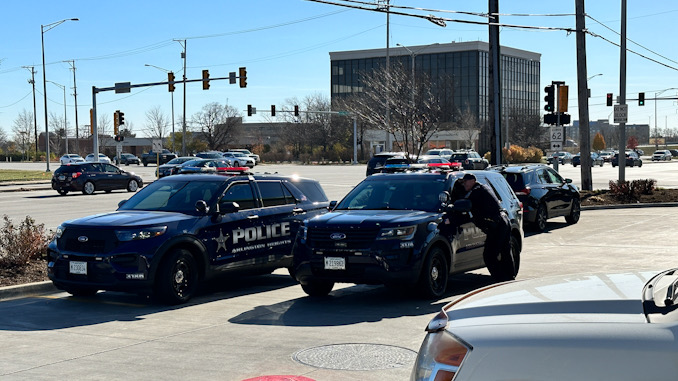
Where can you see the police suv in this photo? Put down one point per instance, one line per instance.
(182, 230)
(408, 230)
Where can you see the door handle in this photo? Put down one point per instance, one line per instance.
(298, 210)
(252, 217)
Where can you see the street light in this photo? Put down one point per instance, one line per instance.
(43, 29)
(588, 79)
(414, 54)
(174, 147)
(656, 132)
(65, 120)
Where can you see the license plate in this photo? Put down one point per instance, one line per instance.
(62, 177)
(335, 263)
(78, 267)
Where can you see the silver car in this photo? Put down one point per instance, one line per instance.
(239, 159)
(607, 326)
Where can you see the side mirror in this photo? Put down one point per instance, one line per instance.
(201, 206)
(568, 181)
(333, 204)
(228, 207)
(462, 205)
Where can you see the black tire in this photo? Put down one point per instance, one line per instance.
(62, 192)
(177, 277)
(80, 291)
(640, 164)
(317, 288)
(575, 212)
(88, 188)
(506, 267)
(132, 186)
(540, 219)
(145, 164)
(434, 275)
(236, 164)
(108, 190)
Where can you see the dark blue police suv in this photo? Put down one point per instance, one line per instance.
(182, 230)
(409, 230)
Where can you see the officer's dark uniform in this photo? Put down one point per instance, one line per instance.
(487, 216)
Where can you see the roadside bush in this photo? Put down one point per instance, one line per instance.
(22, 244)
(518, 154)
(631, 191)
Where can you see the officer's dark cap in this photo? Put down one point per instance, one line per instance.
(469, 176)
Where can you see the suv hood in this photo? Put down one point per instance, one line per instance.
(609, 298)
(371, 218)
(129, 219)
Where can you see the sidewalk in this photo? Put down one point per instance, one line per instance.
(20, 186)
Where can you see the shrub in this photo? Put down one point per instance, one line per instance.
(22, 244)
(631, 191)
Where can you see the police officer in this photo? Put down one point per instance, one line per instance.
(488, 217)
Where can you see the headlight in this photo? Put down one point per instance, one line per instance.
(440, 357)
(404, 233)
(138, 234)
(59, 231)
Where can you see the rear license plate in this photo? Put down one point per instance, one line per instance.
(78, 267)
(62, 178)
(335, 263)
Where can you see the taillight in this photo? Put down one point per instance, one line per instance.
(524, 192)
(440, 357)
(75, 175)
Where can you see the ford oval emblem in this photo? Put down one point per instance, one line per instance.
(337, 236)
(83, 238)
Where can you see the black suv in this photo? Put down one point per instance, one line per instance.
(376, 163)
(543, 192)
(390, 229)
(90, 177)
(470, 160)
(182, 230)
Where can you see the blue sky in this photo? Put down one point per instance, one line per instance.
(285, 46)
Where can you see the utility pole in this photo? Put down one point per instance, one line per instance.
(622, 93)
(35, 116)
(583, 99)
(495, 82)
(183, 123)
(75, 97)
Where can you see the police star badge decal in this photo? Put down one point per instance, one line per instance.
(221, 240)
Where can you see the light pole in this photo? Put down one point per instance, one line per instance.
(65, 120)
(656, 131)
(43, 29)
(588, 79)
(174, 147)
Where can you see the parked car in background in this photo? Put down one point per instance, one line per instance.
(674, 152)
(71, 158)
(661, 154)
(469, 160)
(443, 152)
(563, 158)
(102, 158)
(210, 155)
(151, 157)
(91, 177)
(543, 193)
(595, 160)
(632, 160)
(168, 168)
(376, 163)
(203, 166)
(249, 153)
(127, 159)
(239, 159)
(585, 326)
(439, 162)
(606, 155)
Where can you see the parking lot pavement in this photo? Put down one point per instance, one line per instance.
(266, 325)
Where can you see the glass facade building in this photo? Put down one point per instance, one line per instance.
(465, 63)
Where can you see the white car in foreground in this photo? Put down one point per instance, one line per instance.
(615, 326)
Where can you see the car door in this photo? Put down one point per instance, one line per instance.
(561, 194)
(113, 178)
(467, 240)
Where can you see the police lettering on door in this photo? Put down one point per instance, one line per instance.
(253, 237)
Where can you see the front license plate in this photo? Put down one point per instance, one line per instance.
(335, 263)
(78, 267)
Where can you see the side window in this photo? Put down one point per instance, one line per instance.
(554, 177)
(240, 193)
(273, 193)
(489, 183)
(109, 168)
(543, 177)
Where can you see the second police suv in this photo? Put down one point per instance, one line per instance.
(393, 229)
(182, 230)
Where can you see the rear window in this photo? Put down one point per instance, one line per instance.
(515, 180)
(311, 189)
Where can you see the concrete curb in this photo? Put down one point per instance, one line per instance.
(24, 290)
(631, 206)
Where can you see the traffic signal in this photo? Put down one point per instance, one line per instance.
(121, 118)
(170, 79)
(243, 77)
(562, 98)
(116, 122)
(641, 99)
(249, 110)
(205, 79)
(609, 99)
(549, 99)
(119, 138)
(296, 110)
(272, 110)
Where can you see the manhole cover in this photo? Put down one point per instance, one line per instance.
(356, 356)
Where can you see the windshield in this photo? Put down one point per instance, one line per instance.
(173, 196)
(397, 193)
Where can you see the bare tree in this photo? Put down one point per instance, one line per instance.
(104, 129)
(157, 123)
(22, 130)
(218, 124)
(469, 127)
(58, 130)
(525, 129)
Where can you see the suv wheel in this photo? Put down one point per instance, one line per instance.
(434, 274)
(145, 163)
(177, 278)
(62, 192)
(575, 212)
(540, 219)
(317, 288)
(88, 188)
